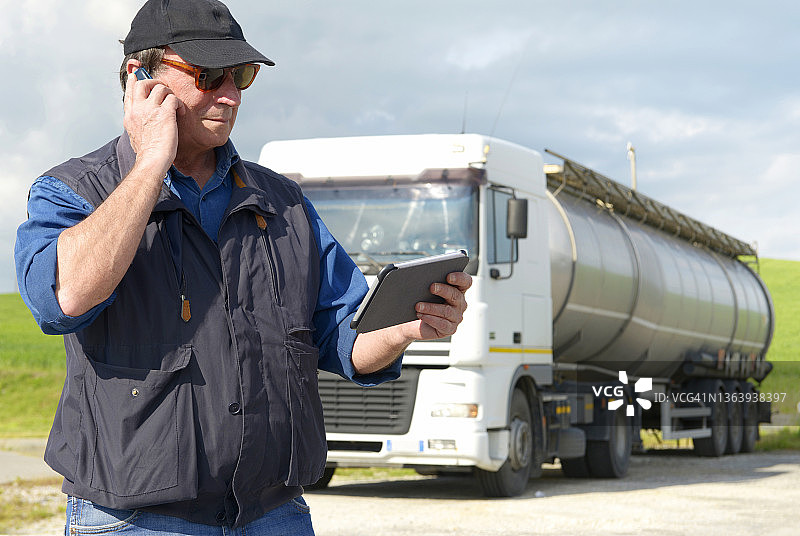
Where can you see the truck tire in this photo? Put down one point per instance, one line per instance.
(715, 445)
(323, 481)
(750, 419)
(512, 477)
(611, 458)
(735, 417)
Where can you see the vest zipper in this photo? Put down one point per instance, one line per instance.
(186, 310)
(262, 224)
(168, 245)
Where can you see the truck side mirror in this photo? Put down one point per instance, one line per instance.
(516, 228)
(517, 218)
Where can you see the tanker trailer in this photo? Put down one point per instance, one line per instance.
(595, 312)
(642, 288)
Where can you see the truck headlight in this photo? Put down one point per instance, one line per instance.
(464, 411)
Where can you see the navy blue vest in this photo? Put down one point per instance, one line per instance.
(195, 393)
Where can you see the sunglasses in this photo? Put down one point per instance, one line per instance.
(209, 79)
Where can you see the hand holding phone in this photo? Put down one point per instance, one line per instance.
(142, 74)
(150, 119)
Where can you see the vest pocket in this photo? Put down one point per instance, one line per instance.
(309, 445)
(138, 425)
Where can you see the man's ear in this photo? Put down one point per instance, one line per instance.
(132, 65)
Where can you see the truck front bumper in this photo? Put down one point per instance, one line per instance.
(486, 450)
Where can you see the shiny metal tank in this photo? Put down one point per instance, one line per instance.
(627, 293)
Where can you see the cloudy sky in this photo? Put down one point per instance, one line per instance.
(708, 92)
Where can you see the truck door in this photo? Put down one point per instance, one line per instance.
(502, 253)
(518, 275)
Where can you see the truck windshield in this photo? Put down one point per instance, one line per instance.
(378, 224)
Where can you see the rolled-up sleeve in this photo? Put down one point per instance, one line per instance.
(342, 288)
(52, 208)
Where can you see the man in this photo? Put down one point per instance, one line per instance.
(198, 294)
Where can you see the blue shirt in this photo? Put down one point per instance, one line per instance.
(53, 207)
(207, 205)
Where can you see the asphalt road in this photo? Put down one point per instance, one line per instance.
(22, 458)
(665, 493)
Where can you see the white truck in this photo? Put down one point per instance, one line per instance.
(595, 312)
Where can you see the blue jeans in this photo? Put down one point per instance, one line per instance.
(83, 517)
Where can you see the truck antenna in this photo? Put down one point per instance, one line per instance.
(464, 113)
(510, 85)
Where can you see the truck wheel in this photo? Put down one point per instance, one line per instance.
(750, 419)
(715, 445)
(512, 478)
(735, 418)
(323, 481)
(611, 459)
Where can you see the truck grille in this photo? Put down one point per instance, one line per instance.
(384, 409)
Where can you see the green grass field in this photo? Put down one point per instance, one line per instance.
(783, 280)
(32, 371)
(32, 364)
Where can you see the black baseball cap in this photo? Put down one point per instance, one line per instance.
(202, 32)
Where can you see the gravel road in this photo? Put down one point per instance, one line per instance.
(665, 493)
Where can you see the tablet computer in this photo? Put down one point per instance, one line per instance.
(399, 287)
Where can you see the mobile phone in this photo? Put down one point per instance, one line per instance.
(142, 74)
